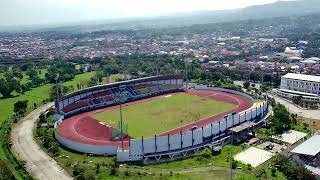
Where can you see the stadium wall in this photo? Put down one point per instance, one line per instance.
(86, 148)
(204, 87)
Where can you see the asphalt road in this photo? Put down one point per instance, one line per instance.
(38, 163)
(312, 114)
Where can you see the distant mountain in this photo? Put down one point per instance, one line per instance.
(277, 9)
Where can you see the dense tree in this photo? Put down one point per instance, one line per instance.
(20, 107)
(9, 85)
(290, 170)
(64, 72)
(17, 74)
(281, 120)
(32, 73)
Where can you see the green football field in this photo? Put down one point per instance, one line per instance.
(163, 114)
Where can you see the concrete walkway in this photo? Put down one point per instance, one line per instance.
(312, 114)
(38, 163)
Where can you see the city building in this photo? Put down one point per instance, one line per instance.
(301, 88)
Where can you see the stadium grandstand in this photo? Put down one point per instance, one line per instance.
(111, 94)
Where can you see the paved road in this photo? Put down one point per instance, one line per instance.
(38, 163)
(313, 114)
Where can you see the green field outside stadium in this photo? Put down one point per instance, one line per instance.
(164, 113)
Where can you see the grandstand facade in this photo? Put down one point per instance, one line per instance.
(112, 94)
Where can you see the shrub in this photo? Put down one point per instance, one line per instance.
(234, 164)
(76, 170)
(127, 173)
(249, 167)
(273, 172)
(113, 171)
(205, 153)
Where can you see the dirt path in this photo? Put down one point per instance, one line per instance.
(38, 163)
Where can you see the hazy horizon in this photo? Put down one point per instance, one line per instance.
(49, 12)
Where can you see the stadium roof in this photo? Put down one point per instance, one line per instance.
(302, 77)
(310, 147)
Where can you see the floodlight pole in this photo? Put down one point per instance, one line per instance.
(120, 100)
(57, 91)
(186, 67)
(230, 153)
(231, 159)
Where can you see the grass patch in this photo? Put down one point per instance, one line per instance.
(113, 78)
(36, 95)
(83, 79)
(163, 114)
(221, 159)
(302, 127)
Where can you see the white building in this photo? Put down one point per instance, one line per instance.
(300, 85)
(293, 51)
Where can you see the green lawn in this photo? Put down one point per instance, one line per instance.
(36, 95)
(82, 78)
(112, 78)
(164, 114)
(221, 159)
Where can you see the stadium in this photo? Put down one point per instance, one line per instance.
(155, 119)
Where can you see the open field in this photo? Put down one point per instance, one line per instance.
(81, 78)
(163, 114)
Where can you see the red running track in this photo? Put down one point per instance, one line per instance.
(84, 129)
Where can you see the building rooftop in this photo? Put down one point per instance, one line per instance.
(310, 147)
(302, 77)
(290, 137)
(253, 156)
(242, 126)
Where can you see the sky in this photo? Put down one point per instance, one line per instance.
(39, 12)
